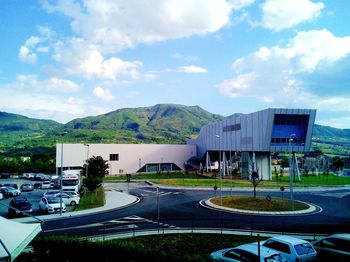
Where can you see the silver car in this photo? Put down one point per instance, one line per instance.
(335, 247)
(27, 187)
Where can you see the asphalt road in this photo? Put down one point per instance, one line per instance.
(178, 208)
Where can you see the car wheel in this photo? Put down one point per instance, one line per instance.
(73, 203)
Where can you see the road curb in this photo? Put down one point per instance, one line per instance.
(311, 210)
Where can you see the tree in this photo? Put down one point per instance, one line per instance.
(97, 168)
(338, 163)
(254, 178)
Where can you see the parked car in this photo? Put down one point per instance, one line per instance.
(45, 185)
(292, 248)
(37, 185)
(1, 196)
(10, 191)
(5, 192)
(5, 175)
(27, 187)
(14, 185)
(68, 199)
(247, 252)
(72, 193)
(51, 205)
(20, 203)
(335, 247)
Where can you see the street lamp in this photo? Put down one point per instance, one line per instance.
(220, 167)
(291, 172)
(62, 134)
(87, 159)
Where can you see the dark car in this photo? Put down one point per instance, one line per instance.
(5, 175)
(5, 192)
(37, 185)
(19, 204)
(14, 185)
(335, 247)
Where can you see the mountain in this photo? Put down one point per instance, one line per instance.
(26, 136)
(162, 123)
(12, 122)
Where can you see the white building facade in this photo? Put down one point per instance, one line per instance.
(127, 158)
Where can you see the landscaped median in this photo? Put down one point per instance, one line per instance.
(260, 205)
(197, 180)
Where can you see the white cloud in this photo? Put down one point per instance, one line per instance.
(27, 52)
(191, 69)
(114, 25)
(274, 75)
(103, 94)
(26, 56)
(51, 84)
(282, 14)
(78, 57)
(42, 105)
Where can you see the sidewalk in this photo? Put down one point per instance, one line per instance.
(114, 200)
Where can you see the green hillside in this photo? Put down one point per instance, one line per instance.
(332, 141)
(162, 123)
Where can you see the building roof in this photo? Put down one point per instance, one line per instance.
(15, 237)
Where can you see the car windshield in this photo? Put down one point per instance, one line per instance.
(53, 200)
(303, 249)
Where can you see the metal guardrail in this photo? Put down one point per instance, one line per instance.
(225, 231)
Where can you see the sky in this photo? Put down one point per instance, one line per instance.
(68, 59)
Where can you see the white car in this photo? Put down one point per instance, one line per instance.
(51, 205)
(247, 252)
(1, 196)
(292, 248)
(68, 199)
(46, 185)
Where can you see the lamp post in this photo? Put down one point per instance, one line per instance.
(87, 159)
(62, 134)
(220, 167)
(291, 172)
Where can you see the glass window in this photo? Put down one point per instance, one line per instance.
(277, 246)
(114, 157)
(303, 249)
(247, 256)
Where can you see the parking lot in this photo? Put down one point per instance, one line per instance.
(32, 196)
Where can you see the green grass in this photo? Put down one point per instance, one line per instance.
(174, 247)
(259, 203)
(193, 180)
(156, 176)
(92, 199)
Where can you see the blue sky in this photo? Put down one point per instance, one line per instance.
(66, 59)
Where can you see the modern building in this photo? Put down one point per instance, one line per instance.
(251, 138)
(241, 142)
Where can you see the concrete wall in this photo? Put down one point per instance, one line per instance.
(131, 156)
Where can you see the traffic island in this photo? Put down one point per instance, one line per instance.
(260, 205)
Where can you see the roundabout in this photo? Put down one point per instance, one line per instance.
(307, 210)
